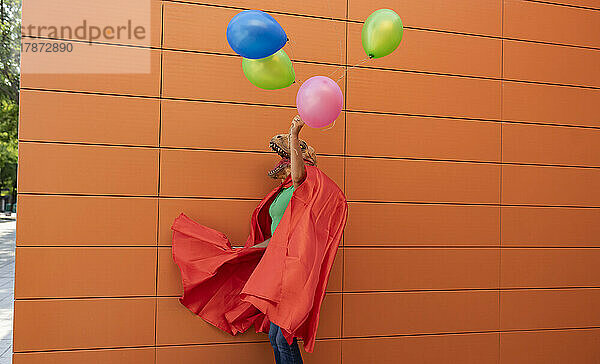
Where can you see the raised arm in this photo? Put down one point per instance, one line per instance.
(296, 161)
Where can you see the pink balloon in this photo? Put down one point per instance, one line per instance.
(319, 101)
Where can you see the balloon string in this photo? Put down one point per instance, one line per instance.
(349, 68)
(330, 11)
(341, 55)
(335, 71)
(291, 43)
(332, 22)
(329, 127)
(338, 80)
(341, 61)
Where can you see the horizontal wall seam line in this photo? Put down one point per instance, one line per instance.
(230, 102)
(562, 5)
(137, 297)
(444, 31)
(349, 156)
(392, 70)
(84, 246)
(184, 345)
(98, 144)
(268, 11)
(570, 126)
(542, 246)
(162, 245)
(350, 20)
(166, 245)
(431, 30)
(161, 346)
(494, 289)
(251, 104)
(87, 298)
(489, 78)
(66, 350)
(470, 204)
(551, 83)
(356, 156)
(348, 200)
(68, 194)
(525, 122)
(414, 71)
(173, 98)
(343, 338)
(346, 20)
(92, 93)
(566, 328)
(321, 63)
(550, 124)
(329, 292)
(95, 42)
(537, 288)
(547, 165)
(382, 68)
(491, 290)
(83, 194)
(577, 46)
(466, 247)
(444, 333)
(98, 93)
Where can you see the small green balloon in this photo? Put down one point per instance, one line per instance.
(381, 33)
(270, 73)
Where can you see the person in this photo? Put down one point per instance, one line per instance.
(276, 282)
(291, 163)
(285, 353)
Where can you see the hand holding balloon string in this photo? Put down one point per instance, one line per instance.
(297, 124)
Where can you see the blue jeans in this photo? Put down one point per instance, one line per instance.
(284, 353)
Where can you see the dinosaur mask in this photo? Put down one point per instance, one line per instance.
(279, 144)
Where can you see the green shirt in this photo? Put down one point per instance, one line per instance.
(279, 205)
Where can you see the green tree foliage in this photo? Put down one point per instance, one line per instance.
(10, 31)
(9, 116)
(10, 46)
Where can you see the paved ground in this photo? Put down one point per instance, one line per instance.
(7, 275)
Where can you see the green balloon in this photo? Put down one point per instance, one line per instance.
(270, 73)
(381, 33)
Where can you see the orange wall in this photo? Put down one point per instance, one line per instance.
(470, 158)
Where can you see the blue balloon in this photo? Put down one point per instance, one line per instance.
(255, 34)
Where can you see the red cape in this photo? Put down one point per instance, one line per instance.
(284, 283)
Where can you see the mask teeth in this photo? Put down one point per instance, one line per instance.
(282, 153)
(276, 170)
